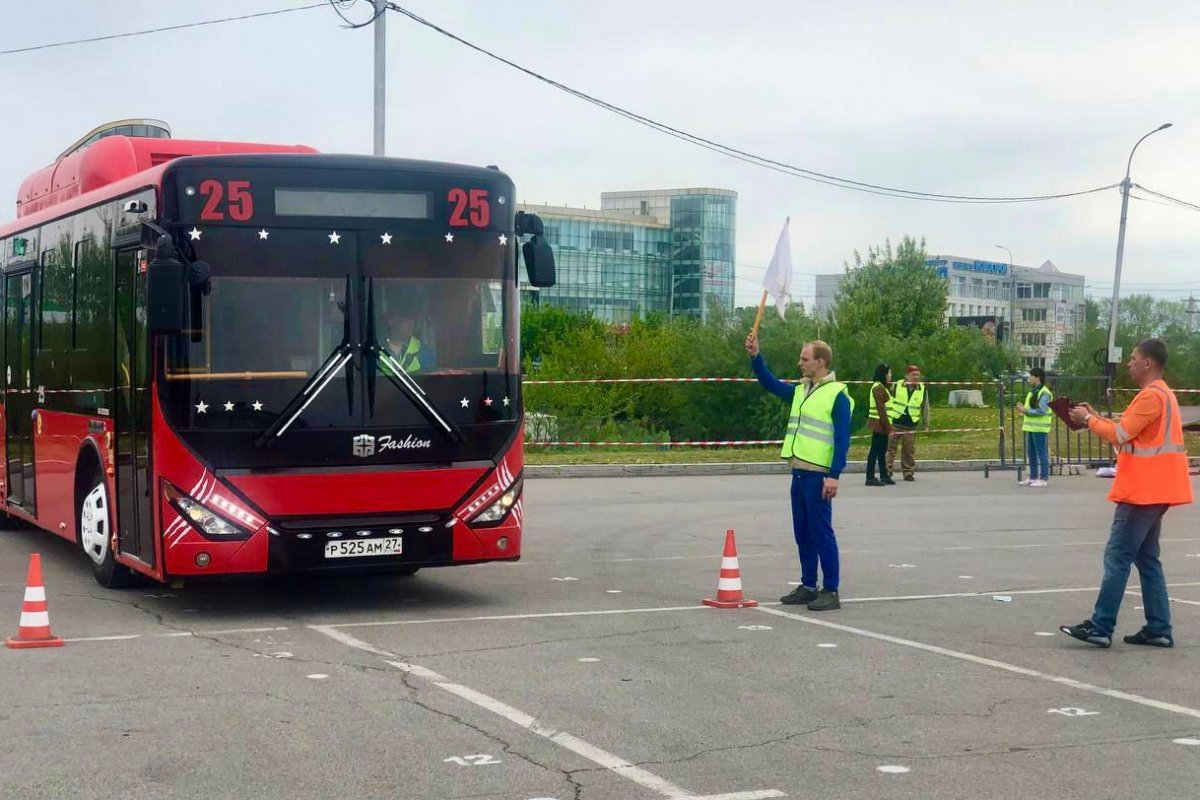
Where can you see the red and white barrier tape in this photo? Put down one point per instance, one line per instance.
(735, 442)
(1176, 391)
(572, 381)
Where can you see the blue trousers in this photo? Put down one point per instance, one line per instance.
(812, 524)
(1134, 540)
(1037, 447)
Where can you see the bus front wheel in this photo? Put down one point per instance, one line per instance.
(94, 520)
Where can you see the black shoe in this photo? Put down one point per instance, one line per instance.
(826, 601)
(874, 482)
(909, 478)
(800, 596)
(886, 480)
(1086, 631)
(1144, 636)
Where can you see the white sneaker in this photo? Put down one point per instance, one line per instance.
(1039, 484)
(1026, 482)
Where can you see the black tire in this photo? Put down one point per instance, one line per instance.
(97, 543)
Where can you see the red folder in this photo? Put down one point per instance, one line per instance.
(1061, 406)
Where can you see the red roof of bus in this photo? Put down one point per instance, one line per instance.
(112, 166)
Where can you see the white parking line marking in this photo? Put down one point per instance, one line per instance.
(501, 617)
(1136, 593)
(172, 635)
(1039, 545)
(892, 769)
(590, 613)
(563, 739)
(990, 662)
(318, 676)
(1187, 742)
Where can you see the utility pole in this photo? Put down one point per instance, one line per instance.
(1113, 358)
(380, 74)
(1191, 314)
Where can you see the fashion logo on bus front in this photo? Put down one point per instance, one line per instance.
(366, 445)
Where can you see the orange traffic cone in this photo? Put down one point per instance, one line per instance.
(34, 628)
(729, 585)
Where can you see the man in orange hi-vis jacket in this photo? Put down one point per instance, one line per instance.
(1152, 476)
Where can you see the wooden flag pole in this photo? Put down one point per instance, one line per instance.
(762, 304)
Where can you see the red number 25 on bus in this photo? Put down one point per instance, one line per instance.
(470, 208)
(233, 197)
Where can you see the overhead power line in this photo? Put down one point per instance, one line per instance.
(161, 30)
(742, 155)
(1171, 200)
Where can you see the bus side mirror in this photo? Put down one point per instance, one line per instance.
(166, 289)
(539, 262)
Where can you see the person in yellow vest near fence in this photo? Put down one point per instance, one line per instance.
(880, 424)
(1036, 420)
(910, 408)
(404, 346)
(815, 444)
(1152, 476)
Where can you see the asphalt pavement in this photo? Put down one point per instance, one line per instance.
(591, 671)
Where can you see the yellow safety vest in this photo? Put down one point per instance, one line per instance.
(1037, 424)
(410, 359)
(809, 435)
(902, 400)
(872, 411)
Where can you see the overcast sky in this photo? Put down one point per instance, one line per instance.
(961, 97)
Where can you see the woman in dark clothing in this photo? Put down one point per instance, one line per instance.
(881, 427)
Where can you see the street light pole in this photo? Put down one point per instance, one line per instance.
(1113, 358)
(380, 73)
(1012, 290)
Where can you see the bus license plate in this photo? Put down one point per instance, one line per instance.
(363, 547)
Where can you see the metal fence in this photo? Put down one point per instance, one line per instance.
(1067, 447)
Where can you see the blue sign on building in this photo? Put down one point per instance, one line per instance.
(943, 266)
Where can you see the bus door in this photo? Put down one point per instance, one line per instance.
(135, 528)
(18, 388)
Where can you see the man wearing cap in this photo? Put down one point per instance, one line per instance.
(908, 409)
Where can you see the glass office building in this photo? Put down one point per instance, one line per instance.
(670, 251)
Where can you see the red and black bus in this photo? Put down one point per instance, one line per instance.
(226, 358)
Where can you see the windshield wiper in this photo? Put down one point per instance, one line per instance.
(398, 376)
(328, 370)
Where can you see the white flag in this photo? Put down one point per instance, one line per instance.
(778, 280)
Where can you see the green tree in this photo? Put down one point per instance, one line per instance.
(891, 291)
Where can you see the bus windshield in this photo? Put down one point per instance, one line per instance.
(297, 333)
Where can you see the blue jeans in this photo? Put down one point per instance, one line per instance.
(1037, 447)
(1134, 540)
(812, 524)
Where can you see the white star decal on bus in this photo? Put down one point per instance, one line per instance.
(465, 402)
(257, 406)
(195, 233)
(449, 237)
(228, 406)
(335, 238)
(202, 407)
(506, 402)
(487, 401)
(263, 234)
(386, 238)
(503, 239)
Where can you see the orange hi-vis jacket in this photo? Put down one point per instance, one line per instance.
(1152, 465)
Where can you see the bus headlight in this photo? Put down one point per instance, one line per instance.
(207, 522)
(498, 510)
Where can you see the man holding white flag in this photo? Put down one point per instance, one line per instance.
(778, 280)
